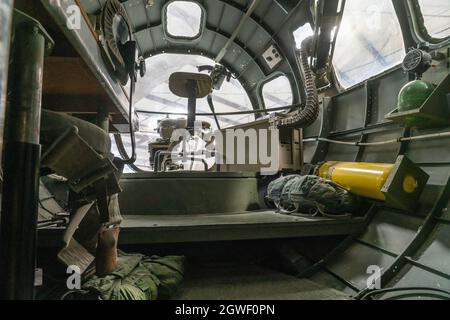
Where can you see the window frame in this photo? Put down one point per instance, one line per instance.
(183, 39)
(419, 29)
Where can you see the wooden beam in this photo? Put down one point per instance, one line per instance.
(69, 75)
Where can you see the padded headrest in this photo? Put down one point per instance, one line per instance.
(179, 81)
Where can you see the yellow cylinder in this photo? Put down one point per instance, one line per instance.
(361, 178)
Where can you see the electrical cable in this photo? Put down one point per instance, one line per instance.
(123, 152)
(415, 295)
(125, 158)
(127, 53)
(211, 106)
(233, 113)
(387, 290)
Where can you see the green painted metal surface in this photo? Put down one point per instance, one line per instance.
(188, 193)
(413, 95)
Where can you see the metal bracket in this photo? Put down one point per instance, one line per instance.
(434, 112)
(21, 19)
(404, 185)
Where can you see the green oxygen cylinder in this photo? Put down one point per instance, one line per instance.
(412, 96)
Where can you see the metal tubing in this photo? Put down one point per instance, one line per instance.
(247, 14)
(6, 13)
(430, 136)
(103, 119)
(22, 157)
(235, 113)
(191, 87)
(26, 85)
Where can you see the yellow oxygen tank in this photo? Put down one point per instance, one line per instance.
(361, 178)
(399, 185)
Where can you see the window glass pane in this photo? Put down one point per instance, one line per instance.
(436, 14)
(153, 94)
(277, 93)
(184, 19)
(369, 41)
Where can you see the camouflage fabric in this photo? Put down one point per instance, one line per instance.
(310, 194)
(285, 201)
(275, 188)
(137, 278)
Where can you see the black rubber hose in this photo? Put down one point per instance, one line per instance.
(126, 160)
(123, 153)
(211, 106)
(305, 115)
(388, 290)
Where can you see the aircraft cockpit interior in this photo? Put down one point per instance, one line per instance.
(224, 149)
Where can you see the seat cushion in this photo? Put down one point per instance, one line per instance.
(54, 124)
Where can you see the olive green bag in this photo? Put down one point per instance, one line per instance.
(137, 277)
(311, 195)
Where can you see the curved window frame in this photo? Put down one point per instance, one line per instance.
(183, 39)
(419, 28)
(268, 79)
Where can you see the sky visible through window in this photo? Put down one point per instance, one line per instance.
(369, 41)
(436, 15)
(184, 19)
(277, 93)
(153, 94)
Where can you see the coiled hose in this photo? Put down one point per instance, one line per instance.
(305, 115)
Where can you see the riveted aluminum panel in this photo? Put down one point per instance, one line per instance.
(429, 151)
(353, 263)
(391, 231)
(385, 93)
(339, 152)
(348, 110)
(416, 277)
(438, 247)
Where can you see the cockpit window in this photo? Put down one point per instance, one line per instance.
(153, 94)
(436, 15)
(277, 92)
(369, 41)
(183, 19)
